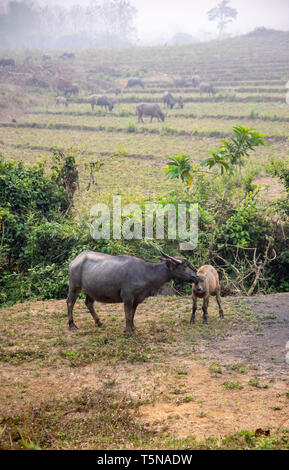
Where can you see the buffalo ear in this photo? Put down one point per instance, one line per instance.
(170, 264)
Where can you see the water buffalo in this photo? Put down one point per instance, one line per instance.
(61, 100)
(207, 88)
(195, 81)
(100, 100)
(170, 101)
(72, 89)
(120, 279)
(147, 109)
(7, 62)
(180, 82)
(67, 55)
(208, 284)
(134, 81)
(62, 84)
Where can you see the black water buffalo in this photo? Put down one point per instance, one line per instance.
(120, 279)
(67, 55)
(207, 88)
(100, 100)
(180, 82)
(134, 81)
(7, 62)
(71, 90)
(195, 81)
(152, 110)
(170, 101)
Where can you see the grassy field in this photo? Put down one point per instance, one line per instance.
(162, 389)
(250, 84)
(171, 386)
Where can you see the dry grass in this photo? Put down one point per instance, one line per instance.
(95, 388)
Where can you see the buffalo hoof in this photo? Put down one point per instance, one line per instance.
(205, 322)
(128, 332)
(101, 325)
(73, 326)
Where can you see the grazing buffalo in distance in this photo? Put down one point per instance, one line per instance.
(170, 101)
(100, 100)
(180, 82)
(195, 81)
(7, 62)
(152, 110)
(120, 279)
(61, 100)
(63, 83)
(72, 89)
(208, 284)
(207, 88)
(46, 57)
(67, 55)
(134, 81)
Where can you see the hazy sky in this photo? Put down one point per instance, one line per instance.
(163, 18)
(170, 16)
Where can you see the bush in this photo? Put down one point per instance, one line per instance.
(38, 236)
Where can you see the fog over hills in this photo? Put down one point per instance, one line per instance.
(94, 23)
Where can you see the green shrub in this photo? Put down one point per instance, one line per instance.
(131, 127)
(38, 236)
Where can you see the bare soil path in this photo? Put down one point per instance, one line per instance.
(265, 349)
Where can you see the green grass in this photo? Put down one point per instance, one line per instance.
(230, 385)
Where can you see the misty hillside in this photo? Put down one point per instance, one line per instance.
(262, 55)
(251, 54)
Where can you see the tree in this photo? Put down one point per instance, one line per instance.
(118, 17)
(19, 23)
(231, 152)
(224, 14)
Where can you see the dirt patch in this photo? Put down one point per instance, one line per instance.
(264, 349)
(271, 187)
(259, 400)
(212, 410)
(184, 380)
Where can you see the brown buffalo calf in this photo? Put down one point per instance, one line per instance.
(207, 285)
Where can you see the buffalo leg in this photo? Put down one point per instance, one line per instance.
(89, 303)
(135, 304)
(71, 299)
(194, 310)
(129, 311)
(218, 298)
(205, 309)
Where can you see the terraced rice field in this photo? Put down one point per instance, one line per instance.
(249, 74)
